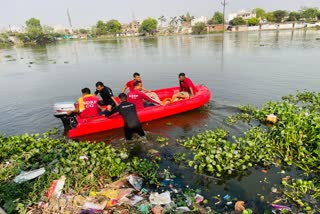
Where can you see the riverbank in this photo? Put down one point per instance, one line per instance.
(13, 41)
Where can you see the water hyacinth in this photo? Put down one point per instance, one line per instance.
(292, 138)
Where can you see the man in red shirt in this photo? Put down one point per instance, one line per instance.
(87, 105)
(187, 88)
(137, 97)
(136, 78)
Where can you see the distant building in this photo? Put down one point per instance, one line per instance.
(245, 14)
(215, 28)
(201, 19)
(15, 29)
(131, 29)
(60, 29)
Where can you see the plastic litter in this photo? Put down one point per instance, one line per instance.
(56, 187)
(239, 207)
(182, 209)
(135, 181)
(95, 205)
(25, 176)
(91, 211)
(280, 207)
(274, 190)
(157, 210)
(144, 208)
(135, 199)
(154, 153)
(199, 198)
(84, 157)
(158, 199)
(2, 211)
(272, 118)
(227, 197)
(117, 194)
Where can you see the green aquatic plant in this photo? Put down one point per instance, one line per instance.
(84, 164)
(297, 189)
(292, 140)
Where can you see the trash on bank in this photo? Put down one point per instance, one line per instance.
(56, 187)
(199, 198)
(2, 211)
(157, 209)
(98, 204)
(25, 176)
(158, 199)
(144, 208)
(182, 209)
(135, 181)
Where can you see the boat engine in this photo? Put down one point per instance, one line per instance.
(60, 111)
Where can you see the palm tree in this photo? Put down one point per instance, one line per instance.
(173, 20)
(162, 19)
(182, 19)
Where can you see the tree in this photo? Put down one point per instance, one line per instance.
(101, 28)
(270, 17)
(47, 29)
(309, 13)
(253, 21)
(217, 18)
(34, 29)
(83, 31)
(237, 21)
(260, 13)
(186, 18)
(294, 16)
(279, 15)
(199, 28)
(162, 19)
(173, 21)
(148, 25)
(113, 26)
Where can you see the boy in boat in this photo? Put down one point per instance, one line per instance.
(136, 78)
(137, 97)
(106, 95)
(187, 88)
(128, 112)
(87, 105)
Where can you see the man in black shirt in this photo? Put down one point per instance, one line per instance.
(129, 114)
(106, 95)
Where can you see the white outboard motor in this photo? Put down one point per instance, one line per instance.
(60, 111)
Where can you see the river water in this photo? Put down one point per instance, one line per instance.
(239, 68)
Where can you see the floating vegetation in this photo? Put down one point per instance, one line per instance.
(293, 138)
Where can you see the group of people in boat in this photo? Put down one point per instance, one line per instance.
(135, 100)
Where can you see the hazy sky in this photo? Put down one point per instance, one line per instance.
(87, 12)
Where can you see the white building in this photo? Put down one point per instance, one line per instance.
(201, 19)
(245, 14)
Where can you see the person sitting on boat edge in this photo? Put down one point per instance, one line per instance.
(187, 88)
(128, 112)
(129, 84)
(87, 105)
(137, 97)
(107, 96)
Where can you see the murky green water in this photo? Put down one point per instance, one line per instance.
(240, 68)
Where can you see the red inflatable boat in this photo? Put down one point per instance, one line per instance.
(98, 124)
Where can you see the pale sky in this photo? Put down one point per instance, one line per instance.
(85, 13)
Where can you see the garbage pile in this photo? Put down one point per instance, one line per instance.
(126, 195)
